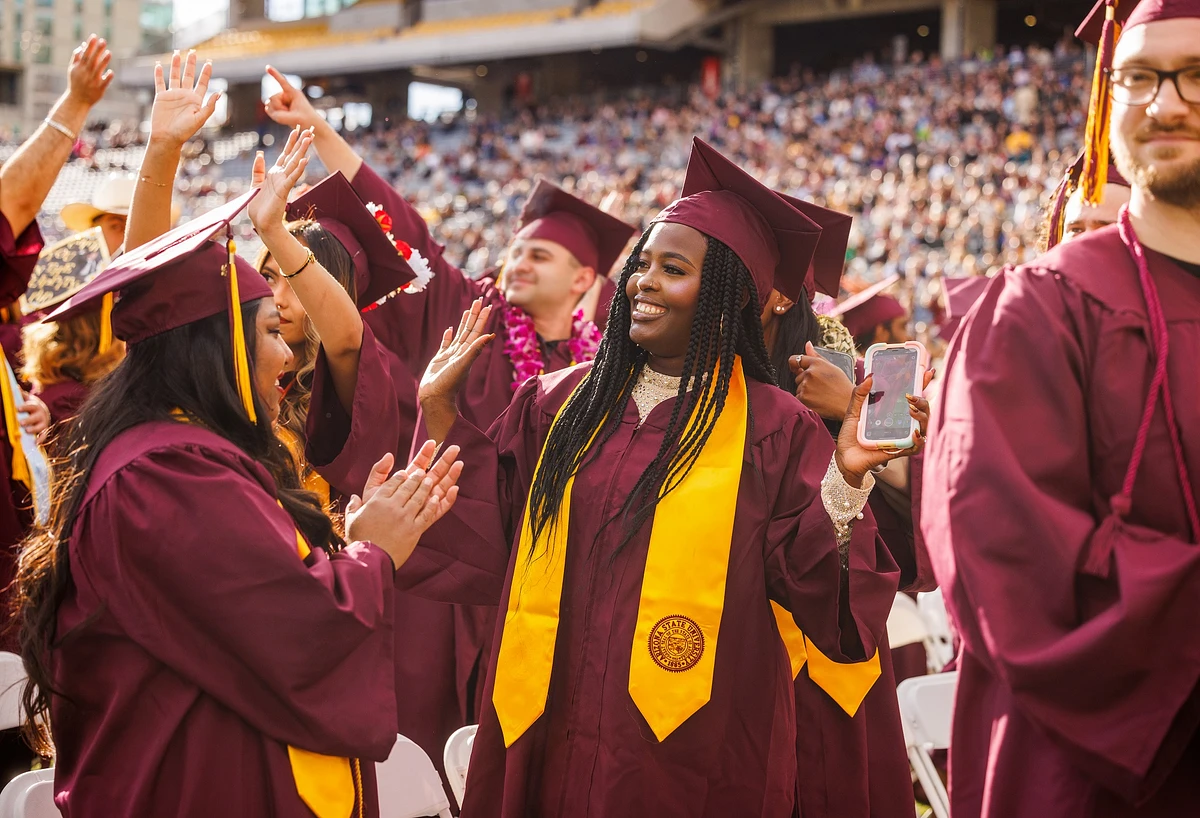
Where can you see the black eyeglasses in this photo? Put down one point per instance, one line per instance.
(1140, 86)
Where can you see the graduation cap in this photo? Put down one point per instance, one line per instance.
(1062, 193)
(180, 277)
(774, 239)
(64, 268)
(961, 295)
(379, 265)
(595, 238)
(1102, 27)
(868, 309)
(825, 270)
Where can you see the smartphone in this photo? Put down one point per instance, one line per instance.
(841, 360)
(899, 371)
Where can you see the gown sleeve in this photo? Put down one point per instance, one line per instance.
(843, 612)
(1009, 516)
(411, 324)
(342, 448)
(196, 562)
(18, 257)
(464, 556)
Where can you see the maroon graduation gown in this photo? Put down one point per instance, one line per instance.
(18, 257)
(63, 399)
(1077, 694)
(343, 448)
(412, 327)
(195, 645)
(591, 753)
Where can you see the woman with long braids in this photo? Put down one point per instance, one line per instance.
(636, 518)
(199, 639)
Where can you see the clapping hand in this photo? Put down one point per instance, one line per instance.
(180, 110)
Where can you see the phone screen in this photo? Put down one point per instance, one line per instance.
(895, 374)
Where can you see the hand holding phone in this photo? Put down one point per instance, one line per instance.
(897, 370)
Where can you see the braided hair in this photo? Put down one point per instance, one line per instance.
(727, 323)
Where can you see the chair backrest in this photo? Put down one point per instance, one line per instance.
(12, 680)
(933, 610)
(457, 757)
(37, 802)
(926, 709)
(17, 788)
(409, 785)
(904, 624)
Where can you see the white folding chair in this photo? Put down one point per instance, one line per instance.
(457, 757)
(904, 624)
(12, 680)
(15, 791)
(941, 639)
(409, 785)
(926, 710)
(37, 802)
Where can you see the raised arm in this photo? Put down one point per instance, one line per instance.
(179, 112)
(333, 313)
(26, 178)
(290, 107)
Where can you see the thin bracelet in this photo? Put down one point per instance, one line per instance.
(62, 129)
(311, 258)
(150, 181)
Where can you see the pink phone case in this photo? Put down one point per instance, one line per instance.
(918, 388)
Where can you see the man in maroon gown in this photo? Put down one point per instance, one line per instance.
(1060, 507)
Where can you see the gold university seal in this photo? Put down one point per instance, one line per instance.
(676, 643)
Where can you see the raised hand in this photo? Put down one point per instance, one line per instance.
(267, 209)
(448, 370)
(88, 76)
(180, 110)
(290, 106)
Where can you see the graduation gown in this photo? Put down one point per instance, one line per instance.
(411, 325)
(342, 448)
(63, 399)
(195, 645)
(591, 752)
(1077, 694)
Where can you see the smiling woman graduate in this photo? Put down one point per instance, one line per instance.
(200, 640)
(637, 516)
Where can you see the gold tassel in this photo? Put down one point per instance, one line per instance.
(1095, 163)
(241, 360)
(106, 330)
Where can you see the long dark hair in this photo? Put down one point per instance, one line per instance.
(795, 327)
(722, 328)
(188, 370)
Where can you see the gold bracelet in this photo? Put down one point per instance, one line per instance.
(150, 181)
(62, 129)
(311, 258)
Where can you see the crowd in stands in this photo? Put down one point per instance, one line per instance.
(946, 166)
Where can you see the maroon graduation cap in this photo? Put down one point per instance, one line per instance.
(866, 310)
(595, 238)
(774, 239)
(379, 266)
(180, 277)
(825, 271)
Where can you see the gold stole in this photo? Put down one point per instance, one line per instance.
(682, 599)
(846, 684)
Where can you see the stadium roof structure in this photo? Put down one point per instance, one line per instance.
(319, 48)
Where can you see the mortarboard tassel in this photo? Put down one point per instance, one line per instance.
(241, 360)
(1066, 187)
(1095, 163)
(106, 330)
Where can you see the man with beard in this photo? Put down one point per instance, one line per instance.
(1059, 507)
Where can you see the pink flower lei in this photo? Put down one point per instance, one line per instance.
(525, 352)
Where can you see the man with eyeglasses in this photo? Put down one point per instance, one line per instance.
(1060, 505)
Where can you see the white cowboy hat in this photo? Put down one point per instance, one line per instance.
(113, 195)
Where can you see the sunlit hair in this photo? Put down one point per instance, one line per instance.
(69, 350)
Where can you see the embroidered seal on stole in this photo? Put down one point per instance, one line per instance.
(676, 643)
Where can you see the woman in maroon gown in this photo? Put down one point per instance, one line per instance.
(198, 637)
(625, 712)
